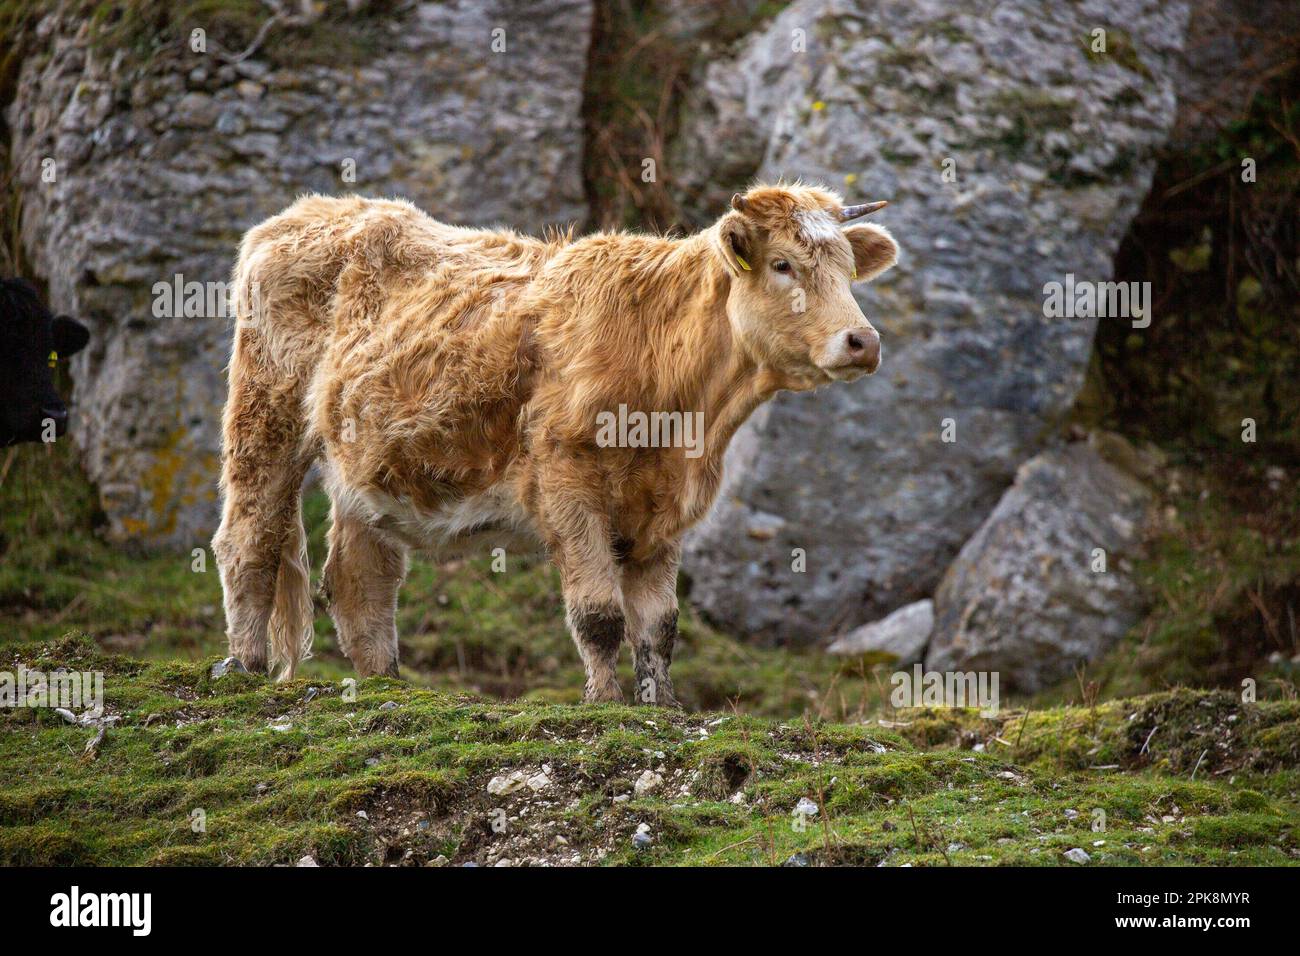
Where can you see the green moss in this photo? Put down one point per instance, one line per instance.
(1119, 49)
(151, 30)
(399, 775)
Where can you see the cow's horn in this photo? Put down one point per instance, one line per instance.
(738, 202)
(849, 213)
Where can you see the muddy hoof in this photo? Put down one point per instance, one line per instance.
(610, 694)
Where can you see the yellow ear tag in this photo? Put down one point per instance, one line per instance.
(855, 272)
(743, 264)
(54, 357)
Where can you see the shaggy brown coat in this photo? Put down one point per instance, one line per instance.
(450, 381)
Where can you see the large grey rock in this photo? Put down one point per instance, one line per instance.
(157, 173)
(1025, 597)
(903, 635)
(1053, 148)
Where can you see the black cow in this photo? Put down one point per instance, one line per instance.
(31, 342)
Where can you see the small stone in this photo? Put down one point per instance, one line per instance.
(538, 782)
(67, 715)
(231, 665)
(642, 839)
(797, 860)
(1078, 855)
(363, 815)
(647, 782)
(250, 90)
(903, 635)
(307, 860)
(805, 807)
(500, 786)
(1071, 814)
(388, 705)
(438, 860)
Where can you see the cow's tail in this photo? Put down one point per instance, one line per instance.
(290, 632)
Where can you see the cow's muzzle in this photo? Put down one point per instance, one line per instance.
(853, 354)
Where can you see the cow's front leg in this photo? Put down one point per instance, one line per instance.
(650, 597)
(592, 599)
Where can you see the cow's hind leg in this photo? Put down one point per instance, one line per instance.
(650, 597)
(363, 574)
(260, 546)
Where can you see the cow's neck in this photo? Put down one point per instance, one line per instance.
(728, 383)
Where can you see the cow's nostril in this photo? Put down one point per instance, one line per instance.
(862, 347)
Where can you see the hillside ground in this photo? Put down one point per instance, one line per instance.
(236, 769)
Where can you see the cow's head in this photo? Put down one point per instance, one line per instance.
(31, 342)
(793, 257)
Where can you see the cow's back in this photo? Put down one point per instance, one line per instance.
(402, 337)
(287, 275)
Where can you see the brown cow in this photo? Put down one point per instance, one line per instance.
(451, 382)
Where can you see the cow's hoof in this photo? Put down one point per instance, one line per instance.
(657, 694)
(604, 695)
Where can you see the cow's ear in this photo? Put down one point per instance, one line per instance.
(874, 250)
(70, 336)
(735, 242)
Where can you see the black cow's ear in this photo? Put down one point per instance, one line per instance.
(70, 336)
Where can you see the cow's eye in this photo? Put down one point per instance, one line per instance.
(781, 266)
